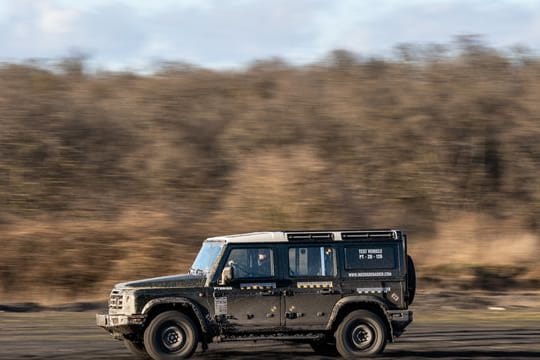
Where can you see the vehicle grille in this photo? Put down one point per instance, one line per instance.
(116, 301)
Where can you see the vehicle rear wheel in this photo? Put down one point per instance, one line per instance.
(361, 333)
(324, 348)
(137, 350)
(171, 335)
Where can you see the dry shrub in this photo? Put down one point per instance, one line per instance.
(280, 188)
(149, 256)
(478, 240)
(102, 170)
(63, 259)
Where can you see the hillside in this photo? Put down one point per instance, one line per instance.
(110, 176)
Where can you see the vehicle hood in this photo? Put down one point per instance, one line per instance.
(175, 281)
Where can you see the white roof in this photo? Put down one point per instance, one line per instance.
(268, 236)
(281, 236)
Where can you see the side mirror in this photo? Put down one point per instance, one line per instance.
(227, 275)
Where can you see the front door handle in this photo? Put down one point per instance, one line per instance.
(293, 315)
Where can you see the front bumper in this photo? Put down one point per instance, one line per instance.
(118, 322)
(111, 321)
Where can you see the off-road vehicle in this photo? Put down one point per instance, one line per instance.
(343, 292)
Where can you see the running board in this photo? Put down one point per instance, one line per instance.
(278, 337)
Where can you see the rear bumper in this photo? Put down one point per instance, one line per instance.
(400, 319)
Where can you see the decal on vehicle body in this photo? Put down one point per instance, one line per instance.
(257, 286)
(373, 290)
(223, 288)
(220, 305)
(370, 254)
(314, 284)
(370, 274)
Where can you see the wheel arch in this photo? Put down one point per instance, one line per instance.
(351, 303)
(181, 304)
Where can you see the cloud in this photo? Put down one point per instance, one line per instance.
(116, 32)
(53, 20)
(31, 29)
(228, 33)
(502, 23)
(240, 32)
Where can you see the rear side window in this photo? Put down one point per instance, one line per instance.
(370, 256)
(312, 261)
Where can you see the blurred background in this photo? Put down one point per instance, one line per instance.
(130, 132)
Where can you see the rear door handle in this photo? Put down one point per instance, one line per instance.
(267, 293)
(326, 291)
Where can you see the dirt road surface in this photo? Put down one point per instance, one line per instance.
(73, 335)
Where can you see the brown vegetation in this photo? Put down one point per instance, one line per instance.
(110, 176)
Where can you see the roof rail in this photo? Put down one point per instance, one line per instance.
(303, 236)
(369, 234)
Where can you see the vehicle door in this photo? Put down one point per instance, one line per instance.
(313, 287)
(250, 300)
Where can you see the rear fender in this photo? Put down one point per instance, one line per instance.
(359, 302)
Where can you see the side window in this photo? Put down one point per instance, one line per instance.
(370, 256)
(252, 262)
(312, 261)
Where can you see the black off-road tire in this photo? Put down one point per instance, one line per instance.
(361, 334)
(171, 335)
(137, 350)
(324, 348)
(411, 280)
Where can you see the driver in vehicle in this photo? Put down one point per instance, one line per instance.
(264, 263)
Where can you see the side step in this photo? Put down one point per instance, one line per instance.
(259, 337)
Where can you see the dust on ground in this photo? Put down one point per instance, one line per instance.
(447, 325)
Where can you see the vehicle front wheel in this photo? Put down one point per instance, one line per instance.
(137, 350)
(361, 333)
(171, 335)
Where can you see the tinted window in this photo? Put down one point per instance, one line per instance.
(252, 262)
(370, 256)
(312, 261)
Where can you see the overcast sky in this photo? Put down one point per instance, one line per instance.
(231, 33)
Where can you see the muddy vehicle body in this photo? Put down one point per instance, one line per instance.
(345, 292)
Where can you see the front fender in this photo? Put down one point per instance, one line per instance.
(178, 300)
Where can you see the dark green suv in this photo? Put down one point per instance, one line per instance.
(343, 292)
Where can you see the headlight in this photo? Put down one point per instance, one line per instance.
(122, 301)
(129, 302)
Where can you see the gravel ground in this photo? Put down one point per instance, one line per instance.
(446, 326)
(68, 335)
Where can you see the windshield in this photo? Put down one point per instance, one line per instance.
(206, 258)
